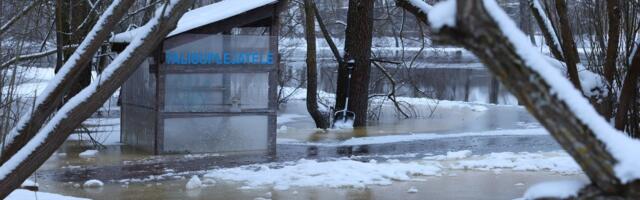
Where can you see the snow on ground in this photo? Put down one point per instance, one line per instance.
(345, 172)
(21, 194)
(335, 174)
(415, 137)
(557, 189)
(559, 162)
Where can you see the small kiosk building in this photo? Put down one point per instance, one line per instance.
(210, 86)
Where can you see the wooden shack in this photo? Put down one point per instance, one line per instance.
(210, 87)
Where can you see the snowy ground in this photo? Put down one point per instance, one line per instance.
(453, 175)
(21, 194)
(349, 172)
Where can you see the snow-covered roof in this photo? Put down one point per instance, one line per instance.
(202, 16)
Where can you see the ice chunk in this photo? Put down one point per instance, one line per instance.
(194, 183)
(88, 153)
(93, 183)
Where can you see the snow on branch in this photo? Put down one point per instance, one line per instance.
(5, 27)
(608, 156)
(546, 21)
(36, 55)
(87, 101)
(51, 97)
(546, 27)
(623, 148)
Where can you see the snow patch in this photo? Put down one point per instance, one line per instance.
(345, 172)
(424, 7)
(442, 14)
(334, 174)
(29, 183)
(558, 162)
(557, 189)
(412, 190)
(343, 124)
(22, 194)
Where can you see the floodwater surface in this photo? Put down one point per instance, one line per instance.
(457, 185)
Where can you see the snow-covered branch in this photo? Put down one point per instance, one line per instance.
(549, 33)
(5, 27)
(85, 103)
(31, 56)
(52, 96)
(608, 156)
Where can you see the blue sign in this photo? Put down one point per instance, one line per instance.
(224, 58)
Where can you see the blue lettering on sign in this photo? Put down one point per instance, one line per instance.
(224, 58)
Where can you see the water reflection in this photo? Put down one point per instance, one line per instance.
(443, 120)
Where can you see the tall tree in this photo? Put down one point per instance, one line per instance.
(312, 69)
(613, 15)
(73, 20)
(569, 48)
(358, 38)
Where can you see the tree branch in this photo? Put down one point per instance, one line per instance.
(30, 56)
(478, 32)
(629, 88)
(548, 32)
(19, 15)
(327, 36)
(53, 95)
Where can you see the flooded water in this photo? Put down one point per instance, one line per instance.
(132, 174)
(443, 77)
(439, 120)
(455, 185)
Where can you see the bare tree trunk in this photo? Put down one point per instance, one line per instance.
(73, 31)
(478, 32)
(467, 85)
(613, 13)
(629, 89)
(46, 103)
(88, 101)
(312, 69)
(359, 35)
(525, 20)
(568, 44)
(494, 89)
